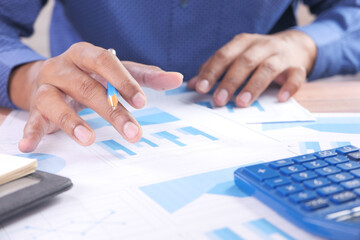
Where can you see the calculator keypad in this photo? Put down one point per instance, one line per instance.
(314, 181)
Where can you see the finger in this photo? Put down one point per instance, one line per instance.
(295, 78)
(153, 77)
(85, 90)
(36, 127)
(102, 62)
(259, 81)
(241, 68)
(50, 102)
(192, 82)
(220, 61)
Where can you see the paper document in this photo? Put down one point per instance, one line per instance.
(265, 109)
(176, 183)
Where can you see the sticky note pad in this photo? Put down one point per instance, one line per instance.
(14, 167)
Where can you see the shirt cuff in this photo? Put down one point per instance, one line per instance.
(326, 35)
(8, 61)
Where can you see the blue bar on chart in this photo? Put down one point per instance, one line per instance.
(46, 162)
(219, 182)
(223, 234)
(205, 104)
(179, 90)
(86, 111)
(96, 123)
(350, 125)
(266, 230)
(171, 137)
(258, 106)
(230, 106)
(152, 116)
(147, 141)
(339, 144)
(195, 132)
(309, 147)
(112, 147)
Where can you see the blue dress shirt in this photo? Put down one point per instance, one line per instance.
(177, 35)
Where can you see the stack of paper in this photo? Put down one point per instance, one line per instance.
(13, 167)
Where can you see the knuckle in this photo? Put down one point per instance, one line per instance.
(117, 116)
(64, 120)
(255, 86)
(220, 55)
(87, 88)
(270, 66)
(241, 36)
(154, 68)
(48, 67)
(209, 73)
(42, 92)
(103, 59)
(231, 81)
(247, 61)
(76, 47)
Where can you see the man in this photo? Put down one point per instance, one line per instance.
(249, 43)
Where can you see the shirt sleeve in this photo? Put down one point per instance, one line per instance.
(336, 32)
(16, 20)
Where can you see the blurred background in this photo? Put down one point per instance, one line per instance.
(40, 40)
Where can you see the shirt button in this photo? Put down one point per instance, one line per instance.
(184, 3)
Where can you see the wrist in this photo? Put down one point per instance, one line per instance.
(22, 84)
(304, 46)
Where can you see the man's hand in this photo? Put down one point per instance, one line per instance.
(56, 89)
(284, 58)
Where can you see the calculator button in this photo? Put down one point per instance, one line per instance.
(304, 158)
(336, 215)
(340, 177)
(327, 170)
(342, 197)
(261, 172)
(355, 183)
(303, 176)
(351, 165)
(329, 190)
(354, 155)
(356, 173)
(292, 169)
(275, 182)
(336, 160)
(315, 164)
(281, 163)
(302, 196)
(289, 189)
(315, 204)
(357, 191)
(325, 154)
(346, 149)
(315, 183)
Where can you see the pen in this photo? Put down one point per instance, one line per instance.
(112, 93)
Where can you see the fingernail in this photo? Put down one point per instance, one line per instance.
(130, 130)
(82, 134)
(138, 100)
(203, 85)
(245, 98)
(222, 96)
(284, 96)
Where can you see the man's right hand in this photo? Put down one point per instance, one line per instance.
(56, 89)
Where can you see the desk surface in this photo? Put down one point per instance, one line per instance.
(322, 96)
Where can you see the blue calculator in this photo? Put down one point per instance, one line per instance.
(319, 192)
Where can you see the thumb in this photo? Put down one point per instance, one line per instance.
(36, 127)
(153, 77)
